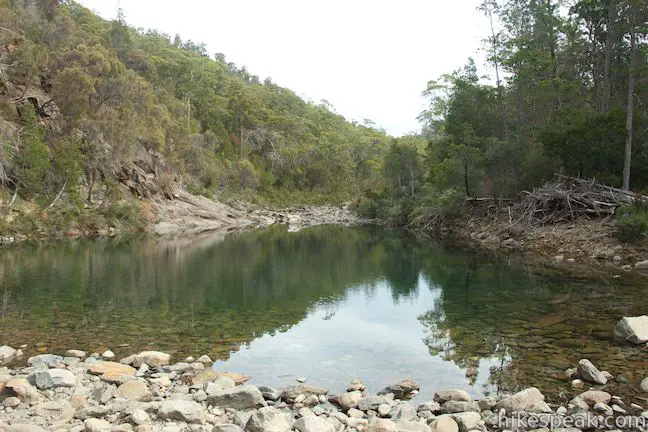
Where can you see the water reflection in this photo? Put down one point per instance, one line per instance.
(329, 303)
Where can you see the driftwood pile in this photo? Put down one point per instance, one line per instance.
(566, 199)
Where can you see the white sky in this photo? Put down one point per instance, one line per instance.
(369, 59)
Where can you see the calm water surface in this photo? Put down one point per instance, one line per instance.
(328, 303)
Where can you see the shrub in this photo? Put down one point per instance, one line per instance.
(631, 223)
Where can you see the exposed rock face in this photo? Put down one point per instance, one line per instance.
(632, 330)
(590, 373)
(528, 400)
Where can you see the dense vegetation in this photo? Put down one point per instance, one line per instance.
(89, 106)
(81, 98)
(569, 95)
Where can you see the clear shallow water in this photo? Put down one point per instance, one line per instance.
(328, 303)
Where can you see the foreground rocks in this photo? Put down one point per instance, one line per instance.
(147, 392)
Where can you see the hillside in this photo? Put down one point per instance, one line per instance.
(94, 113)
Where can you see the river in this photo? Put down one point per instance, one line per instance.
(328, 303)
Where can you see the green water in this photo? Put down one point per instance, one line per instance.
(327, 303)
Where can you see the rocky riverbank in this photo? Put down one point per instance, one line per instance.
(147, 392)
(580, 247)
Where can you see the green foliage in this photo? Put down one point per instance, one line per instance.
(33, 160)
(631, 224)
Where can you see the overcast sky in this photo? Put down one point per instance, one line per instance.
(369, 59)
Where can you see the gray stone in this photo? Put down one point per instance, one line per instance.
(425, 414)
(103, 392)
(311, 401)
(346, 400)
(241, 417)
(243, 397)
(603, 409)
(404, 412)
(529, 400)
(358, 423)
(140, 417)
(487, 403)
(128, 360)
(301, 379)
(467, 421)
(270, 419)
(204, 359)
(135, 390)
(6, 354)
(75, 353)
(592, 397)
(452, 394)
(384, 410)
(632, 330)
(313, 424)
(108, 354)
(227, 427)
(452, 407)
(590, 373)
(411, 426)
(46, 360)
(219, 385)
(97, 411)
(270, 393)
(58, 410)
(290, 393)
(97, 425)
(11, 402)
(151, 358)
(53, 378)
(429, 406)
(356, 413)
(644, 384)
(382, 425)
(371, 402)
(444, 424)
(24, 428)
(183, 410)
(402, 390)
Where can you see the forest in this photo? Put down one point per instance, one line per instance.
(87, 103)
(568, 95)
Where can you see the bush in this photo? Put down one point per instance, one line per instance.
(632, 222)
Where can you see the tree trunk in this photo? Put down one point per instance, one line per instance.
(630, 112)
(466, 177)
(607, 75)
